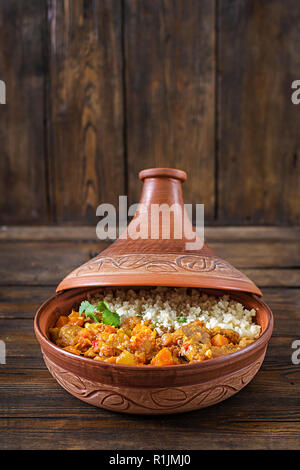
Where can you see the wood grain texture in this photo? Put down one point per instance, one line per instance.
(85, 107)
(15, 233)
(36, 263)
(23, 182)
(196, 430)
(263, 415)
(170, 96)
(259, 144)
(97, 90)
(269, 256)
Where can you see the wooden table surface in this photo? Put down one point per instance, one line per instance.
(36, 413)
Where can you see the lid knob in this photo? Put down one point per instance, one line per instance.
(163, 172)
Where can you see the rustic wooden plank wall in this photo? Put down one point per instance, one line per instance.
(259, 146)
(170, 92)
(85, 106)
(23, 190)
(98, 89)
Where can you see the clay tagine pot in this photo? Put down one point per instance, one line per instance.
(170, 254)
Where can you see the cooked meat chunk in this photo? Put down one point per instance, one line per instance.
(245, 342)
(231, 335)
(217, 351)
(130, 323)
(67, 334)
(196, 332)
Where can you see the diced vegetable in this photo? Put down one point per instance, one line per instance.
(163, 358)
(219, 340)
(63, 320)
(75, 318)
(126, 358)
(166, 339)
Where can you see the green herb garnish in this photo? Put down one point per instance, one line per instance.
(181, 319)
(108, 317)
(92, 316)
(89, 310)
(102, 305)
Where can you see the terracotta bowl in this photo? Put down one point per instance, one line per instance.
(150, 390)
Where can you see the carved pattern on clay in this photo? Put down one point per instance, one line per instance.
(161, 263)
(164, 400)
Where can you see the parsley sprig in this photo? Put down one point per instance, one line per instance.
(89, 310)
(181, 320)
(107, 317)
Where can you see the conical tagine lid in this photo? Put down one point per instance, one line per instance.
(159, 247)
